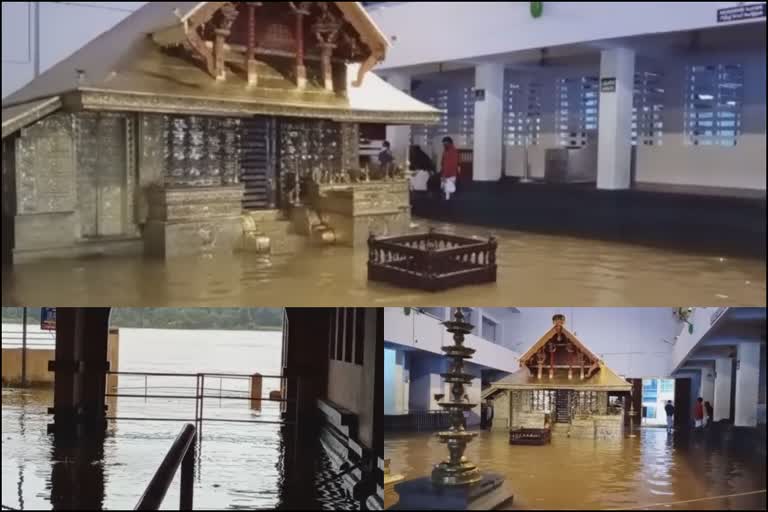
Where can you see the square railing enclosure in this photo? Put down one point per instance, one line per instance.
(431, 261)
(534, 436)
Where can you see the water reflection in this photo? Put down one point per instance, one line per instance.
(649, 469)
(587, 272)
(238, 465)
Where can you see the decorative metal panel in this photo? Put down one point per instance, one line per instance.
(45, 166)
(311, 151)
(202, 151)
(257, 160)
(101, 173)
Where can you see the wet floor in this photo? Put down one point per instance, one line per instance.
(641, 472)
(239, 465)
(532, 270)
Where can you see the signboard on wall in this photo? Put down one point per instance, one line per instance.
(741, 12)
(608, 84)
(48, 319)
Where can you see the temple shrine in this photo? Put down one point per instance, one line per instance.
(561, 386)
(193, 127)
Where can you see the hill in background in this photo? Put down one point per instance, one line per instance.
(176, 318)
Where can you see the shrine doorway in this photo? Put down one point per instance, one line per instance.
(103, 179)
(563, 406)
(258, 163)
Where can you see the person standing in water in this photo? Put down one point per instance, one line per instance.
(698, 412)
(449, 167)
(386, 160)
(670, 410)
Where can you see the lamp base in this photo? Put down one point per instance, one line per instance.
(422, 494)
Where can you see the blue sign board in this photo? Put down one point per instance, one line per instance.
(741, 12)
(48, 319)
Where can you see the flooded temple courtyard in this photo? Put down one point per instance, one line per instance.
(642, 472)
(588, 272)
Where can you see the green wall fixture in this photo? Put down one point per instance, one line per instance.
(536, 9)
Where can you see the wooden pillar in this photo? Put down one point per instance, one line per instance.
(256, 392)
(66, 391)
(326, 49)
(94, 339)
(80, 372)
(301, 9)
(251, 63)
(551, 363)
(219, 70)
(229, 13)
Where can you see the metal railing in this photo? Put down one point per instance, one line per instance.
(427, 420)
(201, 392)
(181, 453)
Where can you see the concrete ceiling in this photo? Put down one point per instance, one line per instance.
(650, 46)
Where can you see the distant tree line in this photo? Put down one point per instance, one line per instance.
(176, 318)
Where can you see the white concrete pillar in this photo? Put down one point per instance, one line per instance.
(615, 119)
(401, 391)
(722, 403)
(488, 138)
(747, 384)
(707, 386)
(399, 136)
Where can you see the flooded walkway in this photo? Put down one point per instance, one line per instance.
(650, 469)
(592, 272)
(239, 465)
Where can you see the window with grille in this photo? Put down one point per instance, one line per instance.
(543, 400)
(576, 111)
(490, 330)
(714, 95)
(346, 335)
(438, 313)
(423, 135)
(522, 114)
(585, 403)
(647, 109)
(467, 128)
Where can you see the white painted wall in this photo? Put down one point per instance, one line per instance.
(423, 332)
(702, 322)
(747, 384)
(673, 162)
(64, 28)
(629, 340)
(469, 30)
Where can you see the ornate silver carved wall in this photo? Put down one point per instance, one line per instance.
(310, 150)
(202, 151)
(350, 147)
(104, 196)
(45, 166)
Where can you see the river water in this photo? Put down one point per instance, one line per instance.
(532, 267)
(238, 465)
(649, 469)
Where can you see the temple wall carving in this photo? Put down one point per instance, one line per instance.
(105, 173)
(45, 167)
(152, 141)
(202, 151)
(350, 147)
(46, 199)
(193, 220)
(357, 210)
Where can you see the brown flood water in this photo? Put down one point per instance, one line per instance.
(650, 469)
(533, 270)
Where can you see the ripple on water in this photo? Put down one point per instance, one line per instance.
(588, 474)
(589, 272)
